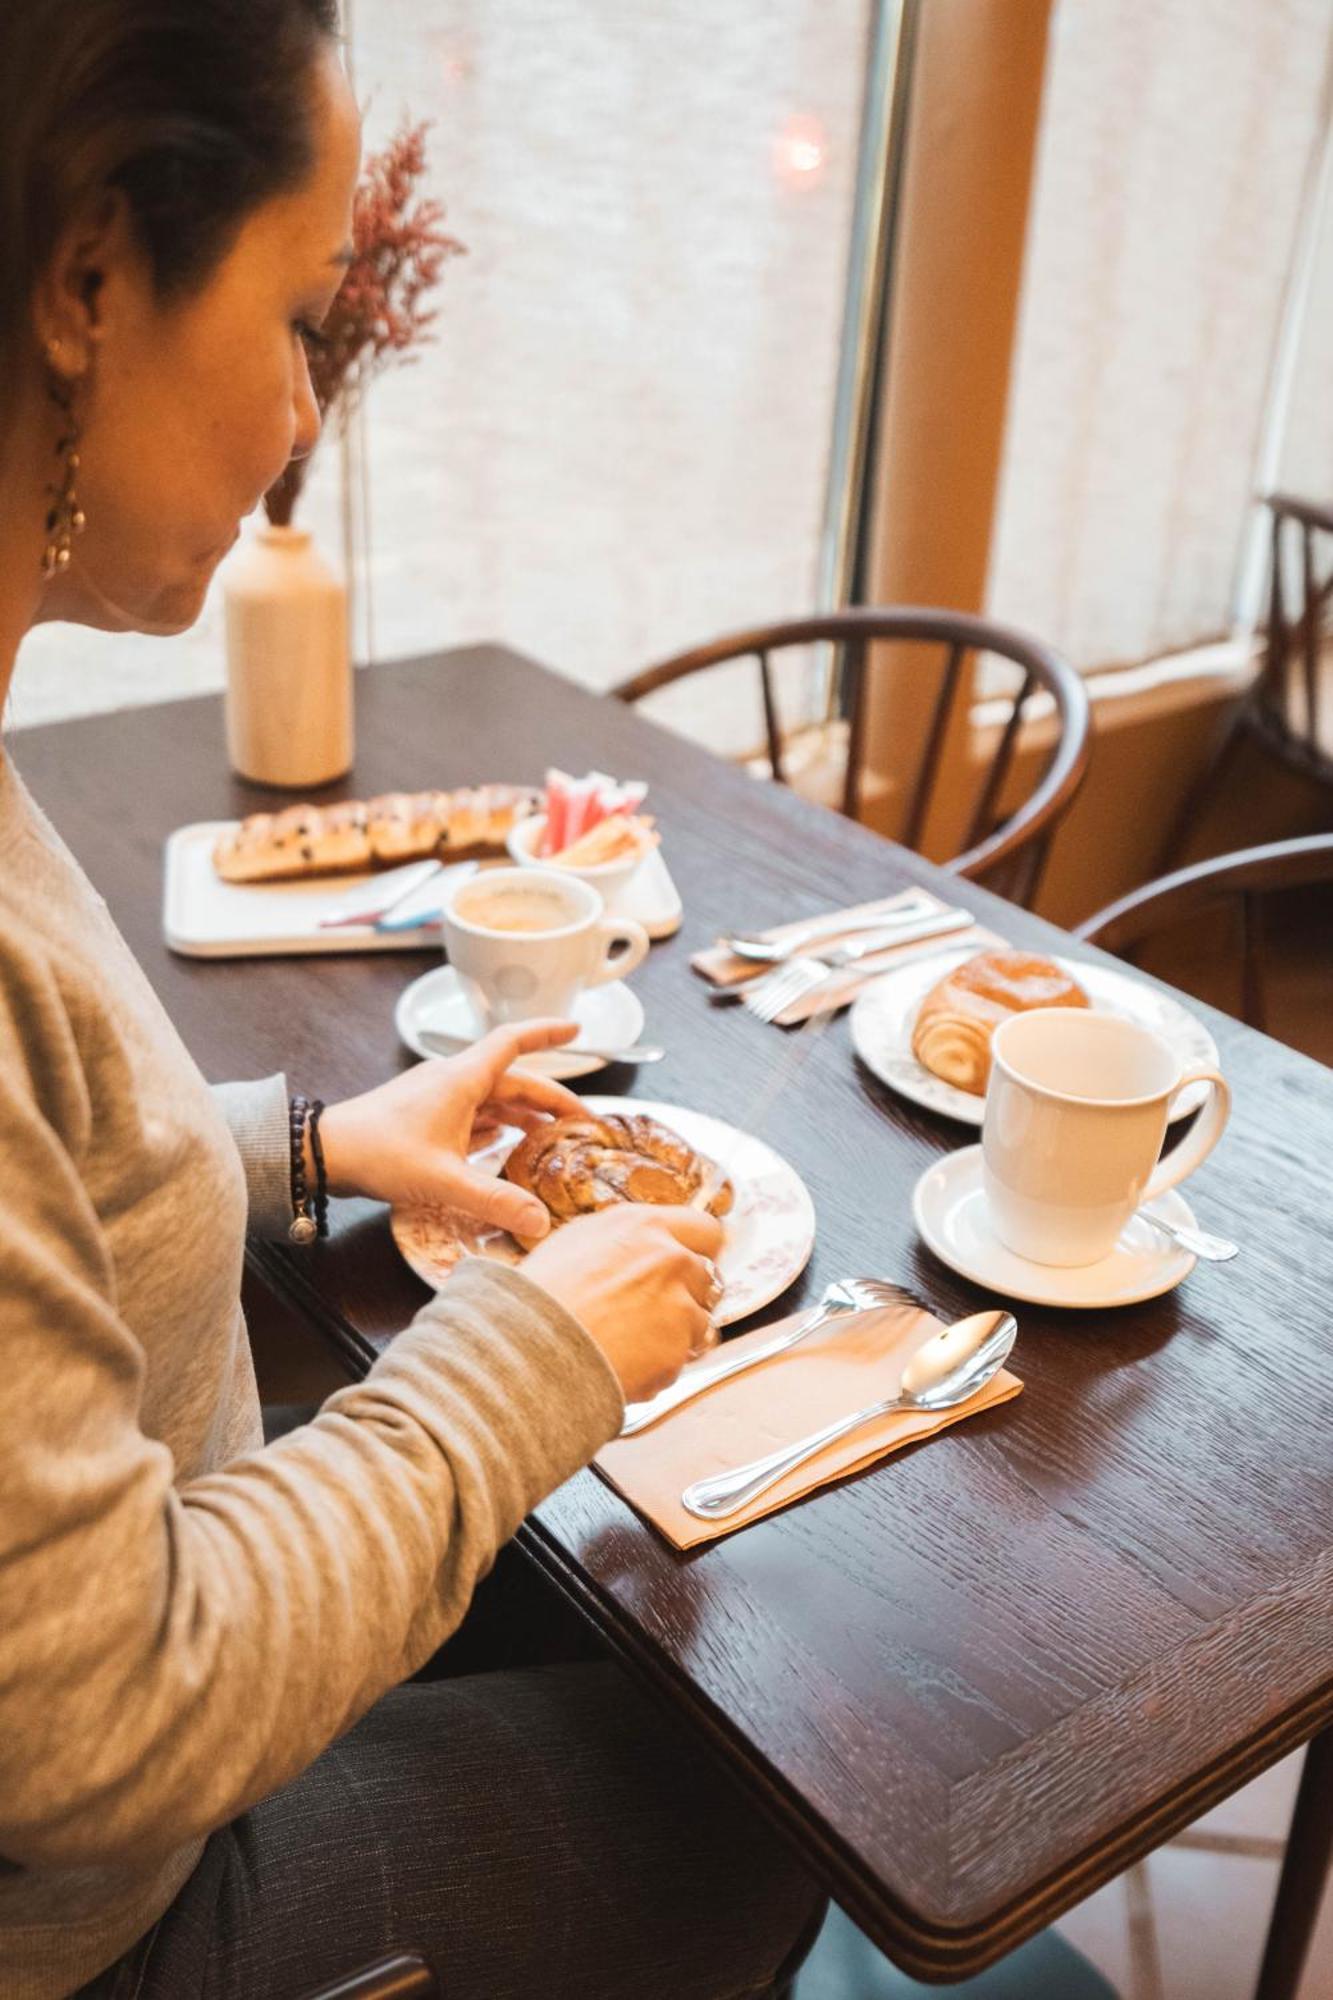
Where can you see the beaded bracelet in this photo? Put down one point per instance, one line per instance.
(310, 1216)
(304, 1227)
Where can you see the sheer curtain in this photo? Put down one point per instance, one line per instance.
(1175, 140)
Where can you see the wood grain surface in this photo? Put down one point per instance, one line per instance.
(977, 1680)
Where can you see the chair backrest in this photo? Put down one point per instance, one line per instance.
(1006, 850)
(1292, 708)
(1243, 879)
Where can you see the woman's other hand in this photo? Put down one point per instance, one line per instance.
(407, 1141)
(641, 1280)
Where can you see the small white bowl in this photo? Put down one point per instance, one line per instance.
(610, 878)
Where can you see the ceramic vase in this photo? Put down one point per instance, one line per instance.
(289, 673)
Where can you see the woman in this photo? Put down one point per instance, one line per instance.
(193, 1626)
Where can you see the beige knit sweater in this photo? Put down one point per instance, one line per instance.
(186, 1618)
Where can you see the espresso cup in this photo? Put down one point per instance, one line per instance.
(1076, 1111)
(527, 941)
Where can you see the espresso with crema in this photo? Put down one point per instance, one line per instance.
(521, 909)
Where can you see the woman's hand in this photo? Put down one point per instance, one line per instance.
(641, 1281)
(407, 1141)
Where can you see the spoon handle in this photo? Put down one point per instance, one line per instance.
(638, 1416)
(1213, 1249)
(728, 1492)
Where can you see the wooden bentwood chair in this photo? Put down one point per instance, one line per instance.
(1005, 849)
(1289, 709)
(1292, 709)
(1245, 879)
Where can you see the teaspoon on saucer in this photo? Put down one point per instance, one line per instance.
(637, 1052)
(1212, 1249)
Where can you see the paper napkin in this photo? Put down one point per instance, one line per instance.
(853, 1362)
(722, 968)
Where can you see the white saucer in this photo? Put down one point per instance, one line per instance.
(949, 1209)
(609, 1016)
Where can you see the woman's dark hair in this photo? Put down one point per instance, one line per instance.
(198, 110)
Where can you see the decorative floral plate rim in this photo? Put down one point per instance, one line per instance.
(770, 1230)
(883, 1016)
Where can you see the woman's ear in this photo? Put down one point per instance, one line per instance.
(96, 263)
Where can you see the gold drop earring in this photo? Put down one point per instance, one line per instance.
(65, 517)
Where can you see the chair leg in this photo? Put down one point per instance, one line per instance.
(1305, 1871)
(784, 1986)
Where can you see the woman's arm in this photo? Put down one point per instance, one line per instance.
(169, 1653)
(407, 1140)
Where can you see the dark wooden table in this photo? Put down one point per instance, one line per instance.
(974, 1683)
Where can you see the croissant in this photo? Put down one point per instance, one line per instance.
(579, 1165)
(305, 840)
(952, 1034)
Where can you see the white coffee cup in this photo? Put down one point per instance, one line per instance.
(1076, 1111)
(526, 941)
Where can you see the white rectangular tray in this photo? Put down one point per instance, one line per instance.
(205, 917)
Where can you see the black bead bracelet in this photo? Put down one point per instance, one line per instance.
(310, 1215)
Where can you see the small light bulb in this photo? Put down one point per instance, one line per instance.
(801, 151)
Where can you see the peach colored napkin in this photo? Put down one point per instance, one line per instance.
(722, 968)
(851, 1363)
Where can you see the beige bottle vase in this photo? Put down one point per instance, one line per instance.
(289, 674)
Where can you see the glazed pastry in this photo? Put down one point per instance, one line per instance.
(301, 840)
(579, 1165)
(406, 826)
(481, 820)
(958, 1016)
(306, 840)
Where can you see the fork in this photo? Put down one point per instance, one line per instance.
(845, 1296)
(796, 978)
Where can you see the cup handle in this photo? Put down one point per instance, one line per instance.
(624, 947)
(1194, 1149)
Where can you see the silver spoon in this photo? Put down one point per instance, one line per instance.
(846, 1295)
(1213, 1249)
(767, 950)
(946, 1371)
(637, 1052)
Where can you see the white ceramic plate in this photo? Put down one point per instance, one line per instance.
(609, 1017)
(770, 1230)
(205, 917)
(884, 1015)
(949, 1208)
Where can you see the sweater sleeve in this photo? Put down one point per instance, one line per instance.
(257, 1114)
(173, 1653)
